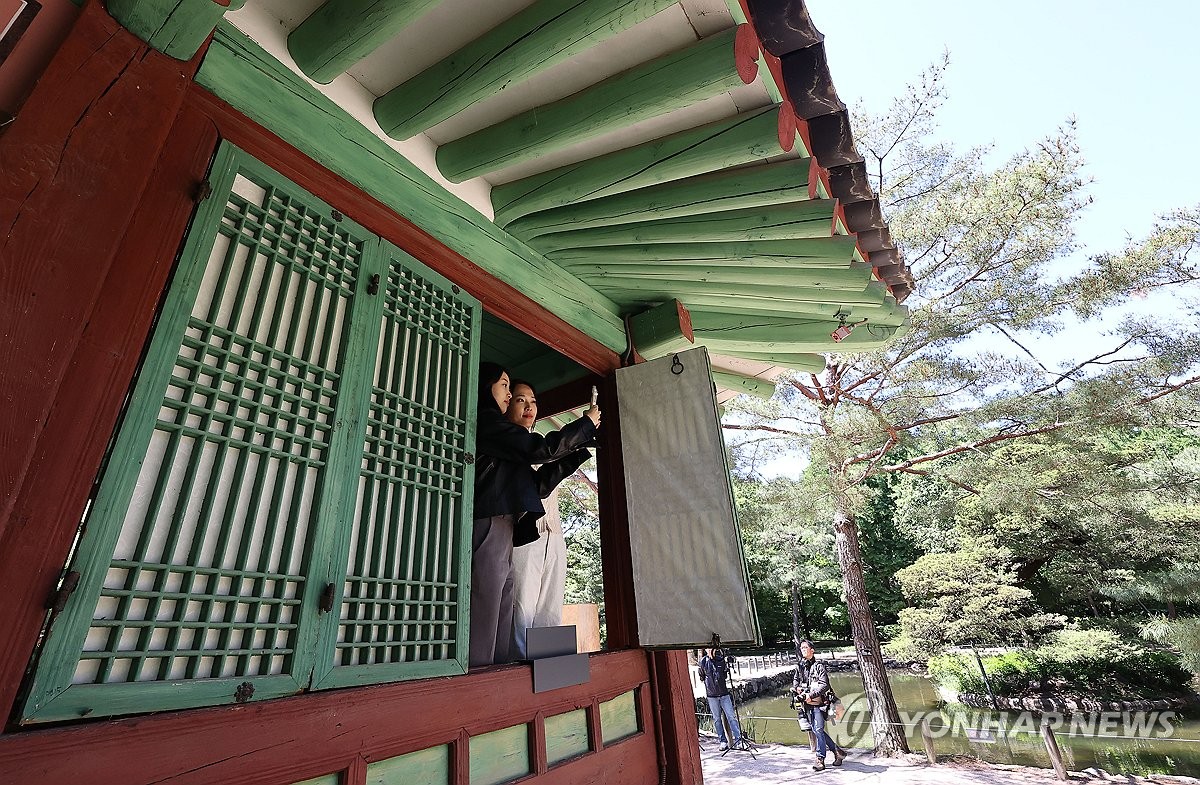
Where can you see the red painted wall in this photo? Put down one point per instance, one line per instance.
(98, 180)
(26, 49)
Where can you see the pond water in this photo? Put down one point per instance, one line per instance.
(1110, 742)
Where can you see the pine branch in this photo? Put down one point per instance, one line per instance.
(1170, 388)
(1000, 437)
(951, 480)
(765, 428)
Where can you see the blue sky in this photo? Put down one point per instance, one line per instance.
(1127, 72)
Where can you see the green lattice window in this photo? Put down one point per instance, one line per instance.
(286, 504)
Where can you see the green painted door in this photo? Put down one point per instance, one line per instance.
(286, 502)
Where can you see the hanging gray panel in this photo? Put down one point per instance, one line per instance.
(689, 573)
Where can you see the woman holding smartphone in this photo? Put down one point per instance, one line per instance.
(507, 492)
(540, 552)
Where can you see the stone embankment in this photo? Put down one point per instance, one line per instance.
(769, 682)
(1064, 704)
(774, 679)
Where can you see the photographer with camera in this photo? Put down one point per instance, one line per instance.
(813, 699)
(714, 670)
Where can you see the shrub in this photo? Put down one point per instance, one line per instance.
(1088, 663)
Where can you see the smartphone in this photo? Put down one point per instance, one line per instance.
(595, 395)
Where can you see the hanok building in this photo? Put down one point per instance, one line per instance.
(253, 253)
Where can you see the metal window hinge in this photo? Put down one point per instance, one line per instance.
(326, 603)
(58, 600)
(468, 459)
(203, 190)
(373, 284)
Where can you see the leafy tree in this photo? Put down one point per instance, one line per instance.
(789, 554)
(885, 548)
(980, 241)
(968, 596)
(578, 508)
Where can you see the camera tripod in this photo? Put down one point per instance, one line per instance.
(743, 743)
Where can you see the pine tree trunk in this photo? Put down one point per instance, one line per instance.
(885, 716)
(799, 618)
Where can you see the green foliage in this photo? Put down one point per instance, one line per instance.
(787, 544)
(579, 512)
(885, 551)
(1030, 485)
(1095, 663)
(1183, 635)
(968, 596)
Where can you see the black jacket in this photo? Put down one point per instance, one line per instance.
(505, 481)
(714, 671)
(812, 680)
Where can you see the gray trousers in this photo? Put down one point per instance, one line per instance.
(491, 589)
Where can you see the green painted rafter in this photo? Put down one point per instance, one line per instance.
(749, 385)
(732, 189)
(544, 34)
(735, 334)
(888, 315)
(816, 340)
(805, 362)
(746, 138)
(703, 70)
(796, 220)
(851, 279)
(812, 252)
(239, 72)
(176, 28)
(341, 32)
(635, 290)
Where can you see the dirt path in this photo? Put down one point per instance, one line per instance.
(775, 764)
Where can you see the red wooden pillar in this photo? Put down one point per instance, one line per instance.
(97, 188)
(673, 720)
(677, 718)
(620, 608)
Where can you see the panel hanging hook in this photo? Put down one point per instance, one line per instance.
(676, 366)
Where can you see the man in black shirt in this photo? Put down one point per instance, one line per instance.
(714, 670)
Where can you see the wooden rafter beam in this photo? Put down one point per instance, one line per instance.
(247, 78)
(750, 385)
(757, 186)
(544, 34)
(745, 138)
(795, 220)
(889, 315)
(177, 28)
(811, 252)
(853, 278)
(706, 69)
(660, 330)
(805, 362)
(797, 341)
(762, 330)
(341, 32)
(652, 291)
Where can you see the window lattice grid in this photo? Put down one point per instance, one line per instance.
(205, 580)
(227, 624)
(401, 591)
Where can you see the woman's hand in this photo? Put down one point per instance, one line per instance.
(593, 414)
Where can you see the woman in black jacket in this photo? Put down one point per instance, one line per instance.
(507, 491)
